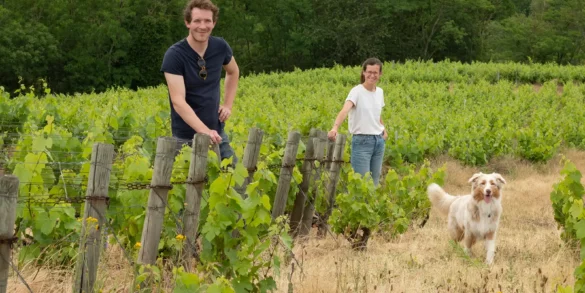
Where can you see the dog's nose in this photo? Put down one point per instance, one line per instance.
(488, 192)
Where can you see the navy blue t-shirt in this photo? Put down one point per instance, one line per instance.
(201, 95)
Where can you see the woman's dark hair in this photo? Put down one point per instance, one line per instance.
(369, 61)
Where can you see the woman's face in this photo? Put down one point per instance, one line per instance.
(372, 74)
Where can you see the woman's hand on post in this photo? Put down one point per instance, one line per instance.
(332, 134)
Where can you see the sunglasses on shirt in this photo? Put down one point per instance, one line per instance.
(203, 71)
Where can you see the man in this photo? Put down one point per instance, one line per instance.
(192, 69)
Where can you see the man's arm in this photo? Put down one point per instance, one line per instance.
(176, 87)
(232, 76)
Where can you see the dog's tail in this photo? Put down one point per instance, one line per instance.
(439, 198)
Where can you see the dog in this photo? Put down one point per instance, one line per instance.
(474, 216)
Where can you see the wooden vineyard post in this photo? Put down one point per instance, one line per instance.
(250, 160)
(329, 159)
(309, 210)
(194, 194)
(157, 199)
(215, 149)
(94, 217)
(300, 200)
(286, 170)
(8, 201)
(333, 180)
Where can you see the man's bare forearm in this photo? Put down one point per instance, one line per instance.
(231, 86)
(189, 116)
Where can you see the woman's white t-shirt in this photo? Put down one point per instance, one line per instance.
(364, 117)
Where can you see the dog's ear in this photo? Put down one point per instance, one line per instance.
(474, 177)
(499, 178)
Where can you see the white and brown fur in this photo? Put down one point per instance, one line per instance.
(474, 216)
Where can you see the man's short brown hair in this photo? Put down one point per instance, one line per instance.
(203, 5)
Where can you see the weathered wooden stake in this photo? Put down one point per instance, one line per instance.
(288, 164)
(251, 154)
(215, 149)
(333, 180)
(250, 161)
(329, 154)
(94, 217)
(8, 196)
(157, 199)
(309, 211)
(194, 194)
(300, 200)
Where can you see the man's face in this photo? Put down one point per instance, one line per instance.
(201, 24)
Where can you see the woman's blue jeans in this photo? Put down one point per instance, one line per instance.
(367, 154)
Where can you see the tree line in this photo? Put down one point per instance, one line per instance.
(92, 45)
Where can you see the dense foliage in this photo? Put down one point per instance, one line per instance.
(470, 112)
(90, 45)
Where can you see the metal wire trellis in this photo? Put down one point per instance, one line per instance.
(17, 272)
(118, 185)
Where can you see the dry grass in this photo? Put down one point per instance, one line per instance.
(114, 275)
(530, 256)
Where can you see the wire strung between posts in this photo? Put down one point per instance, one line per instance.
(107, 224)
(17, 273)
(314, 209)
(179, 225)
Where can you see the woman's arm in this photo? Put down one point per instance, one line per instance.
(339, 119)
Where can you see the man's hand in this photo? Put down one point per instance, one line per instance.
(224, 113)
(215, 138)
(385, 135)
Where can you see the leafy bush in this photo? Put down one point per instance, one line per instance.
(400, 201)
(567, 201)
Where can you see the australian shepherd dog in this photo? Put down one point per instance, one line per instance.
(474, 216)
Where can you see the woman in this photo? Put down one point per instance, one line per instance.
(364, 106)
